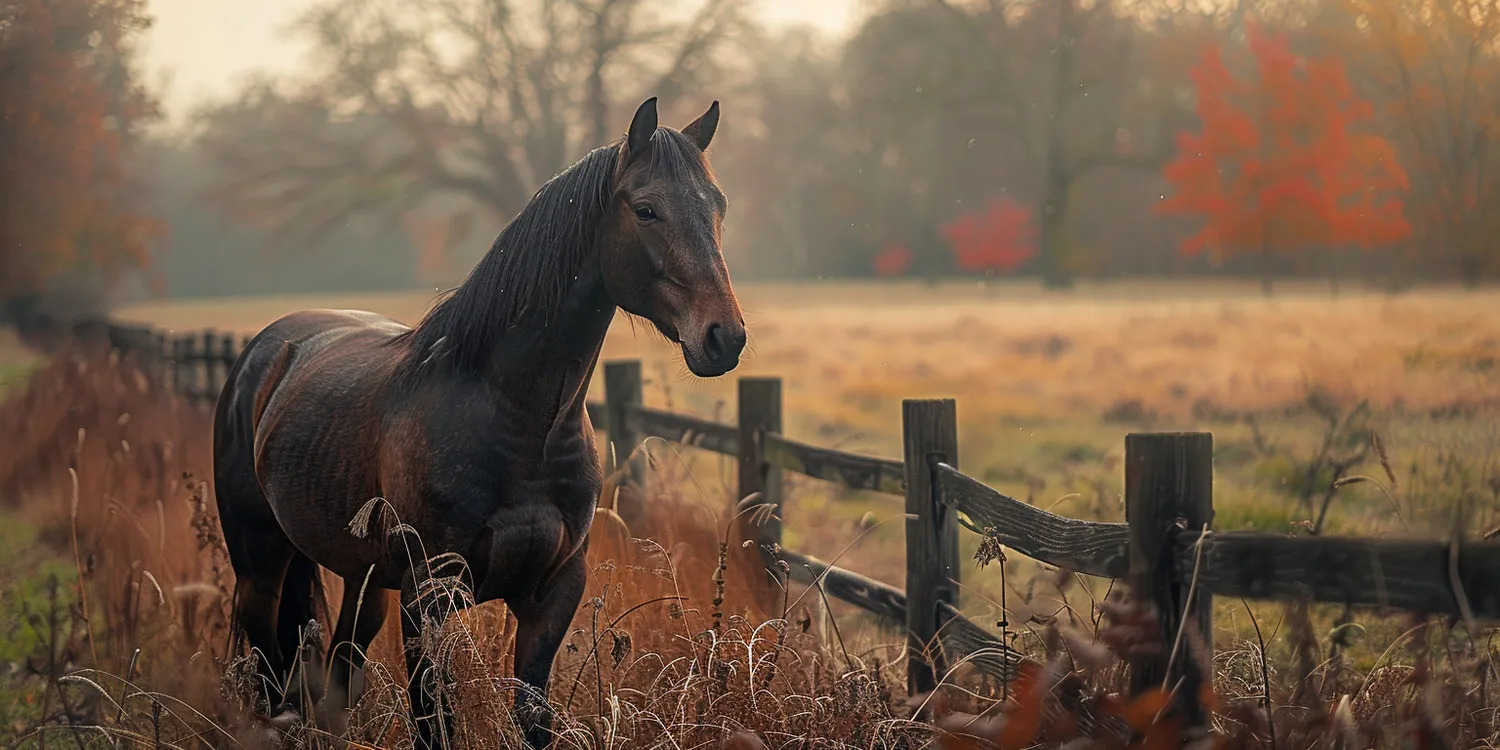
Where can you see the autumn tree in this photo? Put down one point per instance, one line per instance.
(893, 261)
(1283, 162)
(1434, 68)
(460, 108)
(69, 109)
(997, 239)
(1061, 76)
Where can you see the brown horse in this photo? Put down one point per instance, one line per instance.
(471, 426)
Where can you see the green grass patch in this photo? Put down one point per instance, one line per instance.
(37, 620)
(14, 376)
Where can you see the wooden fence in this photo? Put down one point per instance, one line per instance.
(1165, 545)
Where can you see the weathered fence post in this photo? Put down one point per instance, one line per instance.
(211, 370)
(759, 413)
(161, 359)
(1168, 501)
(622, 391)
(929, 430)
(187, 366)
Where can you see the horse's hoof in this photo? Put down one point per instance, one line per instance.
(284, 720)
(539, 738)
(539, 730)
(332, 718)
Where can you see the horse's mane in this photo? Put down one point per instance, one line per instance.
(528, 271)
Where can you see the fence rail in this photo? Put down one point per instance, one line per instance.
(1165, 545)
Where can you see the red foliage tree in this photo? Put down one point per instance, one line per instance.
(1000, 238)
(68, 107)
(1281, 164)
(893, 261)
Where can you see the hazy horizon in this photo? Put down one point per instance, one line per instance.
(199, 50)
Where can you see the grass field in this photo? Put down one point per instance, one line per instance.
(1047, 386)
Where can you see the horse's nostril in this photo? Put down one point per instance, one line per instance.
(713, 343)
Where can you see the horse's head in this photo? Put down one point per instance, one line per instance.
(661, 258)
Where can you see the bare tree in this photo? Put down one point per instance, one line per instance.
(467, 103)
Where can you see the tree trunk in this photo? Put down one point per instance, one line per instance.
(597, 101)
(1055, 273)
(1266, 281)
(1053, 241)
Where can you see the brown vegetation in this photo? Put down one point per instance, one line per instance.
(112, 470)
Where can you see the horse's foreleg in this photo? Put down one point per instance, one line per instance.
(424, 681)
(540, 629)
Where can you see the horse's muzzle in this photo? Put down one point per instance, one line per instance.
(718, 350)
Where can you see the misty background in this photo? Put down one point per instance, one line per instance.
(320, 145)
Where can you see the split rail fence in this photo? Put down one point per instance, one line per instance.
(1164, 546)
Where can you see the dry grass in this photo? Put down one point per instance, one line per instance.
(850, 352)
(1046, 388)
(666, 645)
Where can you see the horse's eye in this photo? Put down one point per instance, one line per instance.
(645, 213)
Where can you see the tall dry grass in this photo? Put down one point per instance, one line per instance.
(670, 644)
(678, 642)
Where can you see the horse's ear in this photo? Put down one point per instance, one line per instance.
(642, 126)
(702, 129)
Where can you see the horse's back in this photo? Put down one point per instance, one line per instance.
(294, 345)
(302, 397)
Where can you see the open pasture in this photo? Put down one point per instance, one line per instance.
(1047, 386)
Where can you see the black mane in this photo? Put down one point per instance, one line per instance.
(528, 271)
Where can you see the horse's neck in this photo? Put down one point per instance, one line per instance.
(558, 357)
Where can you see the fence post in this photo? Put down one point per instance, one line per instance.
(622, 390)
(161, 358)
(929, 430)
(759, 413)
(187, 366)
(210, 366)
(1169, 481)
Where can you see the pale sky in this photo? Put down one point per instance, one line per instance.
(205, 48)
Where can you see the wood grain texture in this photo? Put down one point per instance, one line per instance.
(1409, 574)
(929, 430)
(759, 413)
(848, 469)
(961, 637)
(965, 640)
(1091, 547)
(847, 586)
(1168, 491)
(623, 391)
(680, 428)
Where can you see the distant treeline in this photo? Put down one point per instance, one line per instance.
(1060, 139)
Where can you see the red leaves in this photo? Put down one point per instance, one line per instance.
(1013, 729)
(893, 261)
(1280, 163)
(999, 238)
(1036, 714)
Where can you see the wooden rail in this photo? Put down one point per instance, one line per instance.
(848, 469)
(1091, 547)
(1166, 546)
(1409, 574)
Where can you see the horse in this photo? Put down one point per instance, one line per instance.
(468, 430)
